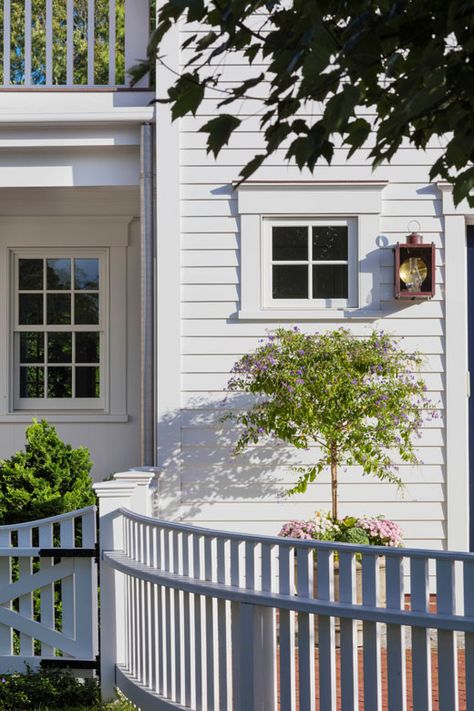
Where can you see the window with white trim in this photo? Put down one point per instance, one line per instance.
(310, 263)
(59, 317)
(310, 249)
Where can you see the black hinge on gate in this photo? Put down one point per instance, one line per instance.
(68, 553)
(61, 663)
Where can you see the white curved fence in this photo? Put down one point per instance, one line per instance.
(220, 621)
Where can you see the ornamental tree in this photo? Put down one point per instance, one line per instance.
(359, 400)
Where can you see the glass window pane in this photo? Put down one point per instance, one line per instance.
(59, 347)
(330, 281)
(290, 243)
(31, 309)
(59, 308)
(86, 273)
(58, 274)
(59, 382)
(329, 243)
(87, 347)
(87, 382)
(86, 308)
(31, 347)
(290, 281)
(30, 274)
(31, 382)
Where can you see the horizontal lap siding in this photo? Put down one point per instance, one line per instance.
(245, 492)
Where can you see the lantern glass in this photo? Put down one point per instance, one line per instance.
(413, 272)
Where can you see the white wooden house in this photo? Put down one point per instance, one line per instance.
(134, 274)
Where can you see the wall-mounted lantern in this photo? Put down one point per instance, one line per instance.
(414, 268)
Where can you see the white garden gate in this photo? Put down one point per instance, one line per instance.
(44, 562)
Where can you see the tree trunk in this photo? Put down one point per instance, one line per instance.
(334, 480)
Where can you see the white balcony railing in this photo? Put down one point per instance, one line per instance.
(72, 44)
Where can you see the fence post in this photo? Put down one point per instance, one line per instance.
(130, 489)
(137, 31)
(112, 496)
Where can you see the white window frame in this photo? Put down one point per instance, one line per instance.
(108, 234)
(71, 403)
(268, 262)
(357, 203)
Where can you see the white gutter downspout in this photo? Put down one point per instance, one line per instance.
(147, 285)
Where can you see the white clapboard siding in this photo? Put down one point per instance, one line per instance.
(423, 327)
(213, 336)
(428, 474)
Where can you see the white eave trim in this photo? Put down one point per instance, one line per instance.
(142, 114)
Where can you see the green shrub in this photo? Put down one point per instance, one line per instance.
(55, 690)
(46, 479)
(47, 689)
(357, 536)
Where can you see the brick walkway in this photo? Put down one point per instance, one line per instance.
(434, 659)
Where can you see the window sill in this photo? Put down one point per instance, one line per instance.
(26, 417)
(310, 314)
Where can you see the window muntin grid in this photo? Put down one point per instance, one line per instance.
(310, 263)
(59, 335)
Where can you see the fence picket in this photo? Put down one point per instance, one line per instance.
(349, 660)
(46, 592)
(396, 666)
(421, 652)
(6, 636)
(447, 648)
(287, 633)
(327, 653)
(210, 627)
(222, 628)
(25, 609)
(305, 566)
(371, 632)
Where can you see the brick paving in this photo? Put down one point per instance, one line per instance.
(434, 662)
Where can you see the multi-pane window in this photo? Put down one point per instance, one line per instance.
(311, 263)
(58, 339)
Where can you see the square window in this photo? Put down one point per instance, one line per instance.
(309, 264)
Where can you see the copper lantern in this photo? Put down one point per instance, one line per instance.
(414, 269)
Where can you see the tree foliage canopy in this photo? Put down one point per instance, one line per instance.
(407, 63)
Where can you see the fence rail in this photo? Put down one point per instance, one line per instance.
(46, 566)
(73, 44)
(224, 621)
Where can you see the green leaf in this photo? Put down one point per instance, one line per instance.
(220, 130)
(251, 167)
(186, 95)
